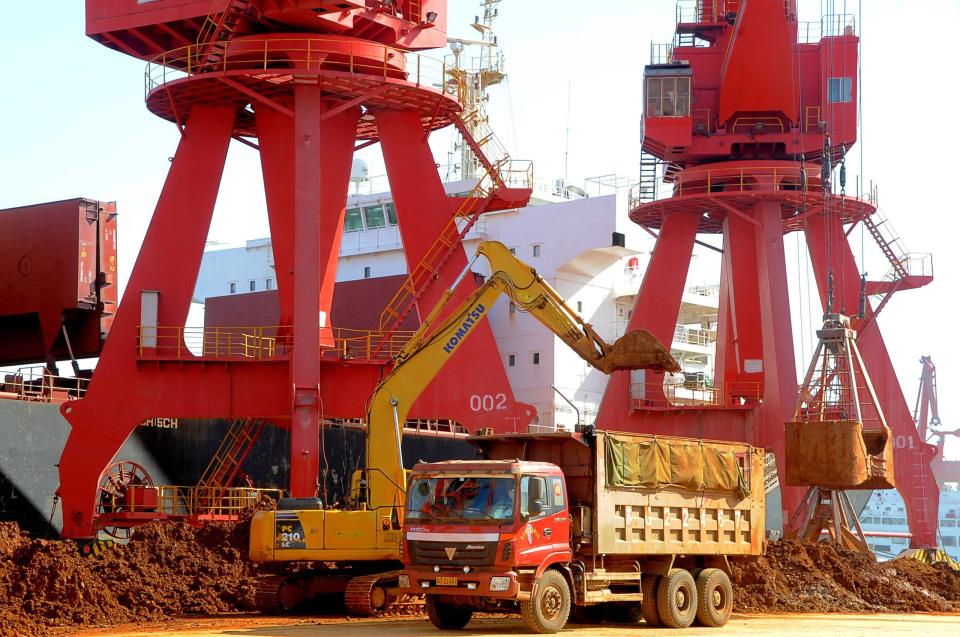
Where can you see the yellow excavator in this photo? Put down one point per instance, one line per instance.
(360, 541)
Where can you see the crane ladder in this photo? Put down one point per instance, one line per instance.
(451, 237)
(216, 31)
(648, 177)
(226, 462)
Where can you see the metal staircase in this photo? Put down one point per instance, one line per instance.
(413, 12)
(648, 177)
(226, 462)
(896, 254)
(484, 145)
(451, 237)
(428, 269)
(216, 31)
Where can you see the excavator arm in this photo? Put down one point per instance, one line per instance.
(438, 339)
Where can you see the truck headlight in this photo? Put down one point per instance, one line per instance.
(499, 584)
(403, 581)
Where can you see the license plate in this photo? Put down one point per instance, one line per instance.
(446, 581)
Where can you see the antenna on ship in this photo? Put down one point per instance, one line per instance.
(479, 73)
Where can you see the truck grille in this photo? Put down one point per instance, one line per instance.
(466, 554)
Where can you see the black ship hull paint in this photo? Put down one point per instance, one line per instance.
(33, 434)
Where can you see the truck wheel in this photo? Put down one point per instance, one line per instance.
(715, 597)
(677, 599)
(547, 611)
(445, 616)
(648, 607)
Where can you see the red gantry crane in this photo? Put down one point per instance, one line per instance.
(305, 83)
(748, 113)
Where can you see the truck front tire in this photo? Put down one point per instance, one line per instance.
(548, 609)
(677, 599)
(715, 597)
(445, 616)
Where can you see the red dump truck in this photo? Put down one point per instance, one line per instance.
(606, 524)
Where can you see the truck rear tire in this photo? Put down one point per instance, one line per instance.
(648, 607)
(714, 597)
(677, 599)
(445, 616)
(548, 609)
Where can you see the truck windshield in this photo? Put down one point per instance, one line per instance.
(461, 498)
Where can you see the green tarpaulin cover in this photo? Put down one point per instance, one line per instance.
(687, 464)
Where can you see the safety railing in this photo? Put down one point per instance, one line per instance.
(350, 344)
(918, 264)
(517, 173)
(182, 502)
(661, 53)
(279, 56)
(36, 383)
(811, 119)
(703, 123)
(677, 391)
(260, 343)
(829, 26)
(759, 179)
(757, 125)
(179, 343)
(702, 338)
(709, 11)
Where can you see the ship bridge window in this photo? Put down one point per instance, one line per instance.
(352, 221)
(668, 97)
(839, 90)
(391, 213)
(373, 215)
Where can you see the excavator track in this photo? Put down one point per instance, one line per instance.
(368, 594)
(277, 594)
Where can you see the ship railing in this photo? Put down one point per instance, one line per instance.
(271, 59)
(257, 343)
(829, 26)
(680, 391)
(702, 338)
(36, 383)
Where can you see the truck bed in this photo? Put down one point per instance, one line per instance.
(659, 495)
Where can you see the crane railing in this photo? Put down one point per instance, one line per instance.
(283, 55)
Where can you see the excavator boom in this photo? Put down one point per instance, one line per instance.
(366, 533)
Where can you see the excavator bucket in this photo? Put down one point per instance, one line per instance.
(639, 349)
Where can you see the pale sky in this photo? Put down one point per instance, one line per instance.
(76, 126)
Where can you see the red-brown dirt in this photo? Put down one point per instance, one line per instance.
(166, 570)
(174, 570)
(826, 578)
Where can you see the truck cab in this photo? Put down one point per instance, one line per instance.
(476, 527)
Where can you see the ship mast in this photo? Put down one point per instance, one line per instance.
(479, 72)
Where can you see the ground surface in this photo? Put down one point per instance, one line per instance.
(780, 625)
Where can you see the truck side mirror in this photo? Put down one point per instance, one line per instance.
(535, 508)
(535, 497)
